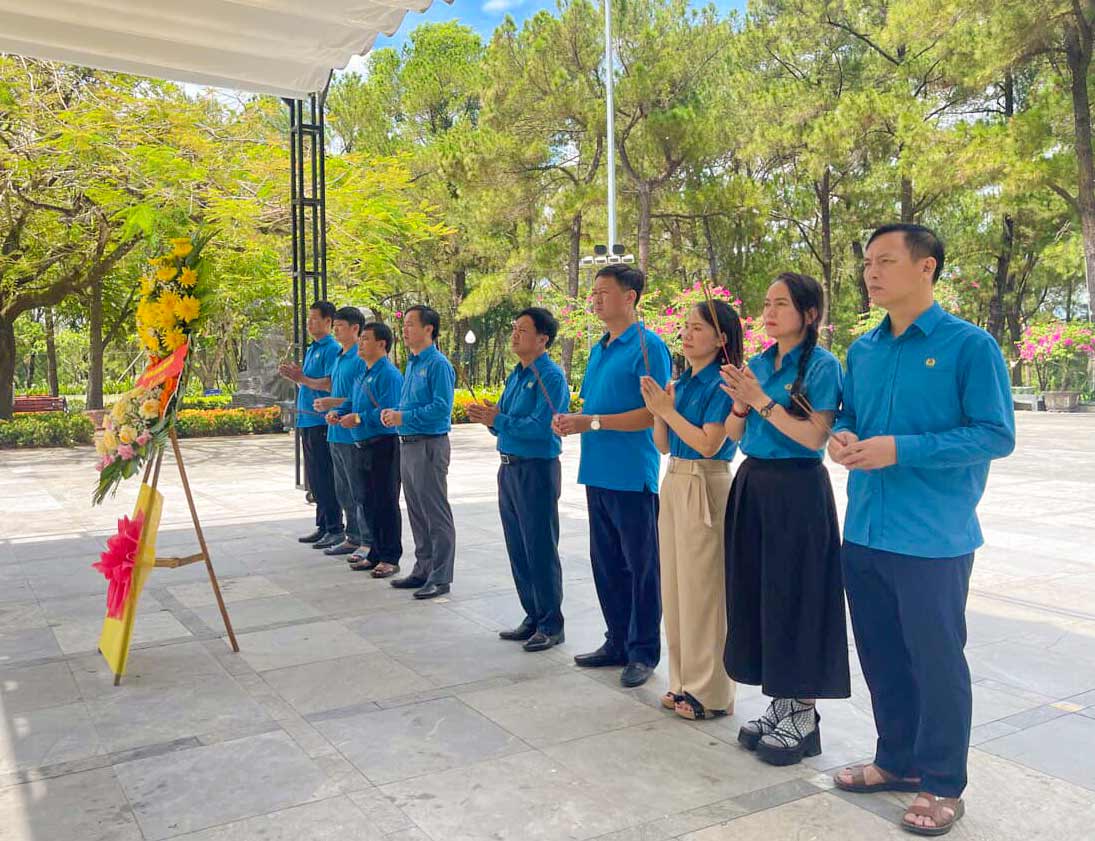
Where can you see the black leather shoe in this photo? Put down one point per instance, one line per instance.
(431, 591)
(519, 634)
(542, 642)
(408, 582)
(635, 674)
(328, 540)
(603, 656)
(313, 537)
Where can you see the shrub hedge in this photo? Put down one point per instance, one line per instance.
(46, 429)
(204, 423)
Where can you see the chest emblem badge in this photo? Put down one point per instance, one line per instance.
(930, 362)
(788, 387)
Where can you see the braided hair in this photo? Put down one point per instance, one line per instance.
(730, 326)
(806, 294)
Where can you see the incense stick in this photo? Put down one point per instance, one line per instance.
(642, 345)
(814, 418)
(543, 388)
(715, 321)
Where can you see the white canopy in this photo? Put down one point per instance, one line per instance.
(281, 47)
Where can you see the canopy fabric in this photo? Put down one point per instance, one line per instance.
(281, 47)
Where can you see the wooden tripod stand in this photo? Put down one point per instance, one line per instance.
(152, 468)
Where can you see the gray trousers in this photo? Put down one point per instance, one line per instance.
(350, 491)
(424, 469)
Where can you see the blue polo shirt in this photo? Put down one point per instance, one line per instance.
(699, 400)
(426, 399)
(347, 371)
(621, 461)
(942, 390)
(319, 361)
(821, 386)
(375, 390)
(523, 424)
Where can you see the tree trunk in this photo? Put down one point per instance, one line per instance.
(31, 367)
(1002, 282)
(712, 256)
(908, 208)
(51, 354)
(95, 346)
(646, 207)
(823, 189)
(1078, 48)
(7, 365)
(861, 284)
(573, 276)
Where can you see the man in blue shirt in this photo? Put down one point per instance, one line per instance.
(927, 406)
(376, 484)
(313, 379)
(530, 478)
(423, 420)
(348, 368)
(619, 467)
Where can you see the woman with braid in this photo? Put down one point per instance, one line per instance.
(784, 591)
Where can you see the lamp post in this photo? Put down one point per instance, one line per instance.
(469, 343)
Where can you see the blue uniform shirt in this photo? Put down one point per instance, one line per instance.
(821, 386)
(942, 390)
(348, 369)
(375, 390)
(621, 461)
(319, 361)
(699, 401)
(523, 425)
(426, 399)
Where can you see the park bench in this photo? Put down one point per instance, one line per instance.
(40, 403)
(1025, 396)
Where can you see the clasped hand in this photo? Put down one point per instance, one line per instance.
(659, 401)
(483, 413)
(742, 385)
(869, 454)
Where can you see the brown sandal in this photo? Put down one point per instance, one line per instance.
(859, 783)
(944, 812)
(383, 570)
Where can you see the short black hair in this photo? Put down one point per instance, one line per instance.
(543, 321)
(628, 277)
(428, 316)
(325, 308)
(351, 315)
(921, 241)
(382, 333)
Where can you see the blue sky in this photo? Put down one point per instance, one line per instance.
(484, 15)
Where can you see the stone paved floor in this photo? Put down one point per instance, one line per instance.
(354, 712)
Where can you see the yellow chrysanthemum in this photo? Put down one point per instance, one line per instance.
(150, 409)
(166, 273)
(181, 246)
(119, 410)
(148, 286)
(188, 278)
(127, 434)
(187, 308)
(149, 339)
(168, 301)
(174, 339)
(100, 446)
(110, 440)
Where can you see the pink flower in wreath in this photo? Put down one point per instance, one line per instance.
(144, 438)
(116, 563)
(125, 451)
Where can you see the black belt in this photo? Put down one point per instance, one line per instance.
(414, 439)
(508, 459)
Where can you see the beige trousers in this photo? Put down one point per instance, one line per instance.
(693, 572)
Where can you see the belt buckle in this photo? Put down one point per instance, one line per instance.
(505, 458)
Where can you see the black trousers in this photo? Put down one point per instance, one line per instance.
(321, 477)
(380, 465)
(909, 619)
(623, 545)
(528, 502)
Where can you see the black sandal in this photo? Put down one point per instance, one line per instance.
(695, 711)
(671, 699)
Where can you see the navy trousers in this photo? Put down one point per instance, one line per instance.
(321, 477)
(380, 495)
(909, 619)
(528, 502)
(623, 546)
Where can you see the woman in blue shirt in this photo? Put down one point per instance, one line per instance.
(785, 599)
(689, 418)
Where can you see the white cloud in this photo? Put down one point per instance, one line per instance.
(494, 6)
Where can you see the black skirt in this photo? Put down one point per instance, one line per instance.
(784, 588)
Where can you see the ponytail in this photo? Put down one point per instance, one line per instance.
(806, 295)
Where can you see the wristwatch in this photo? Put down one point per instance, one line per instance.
(767, 410)
(595, 424)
